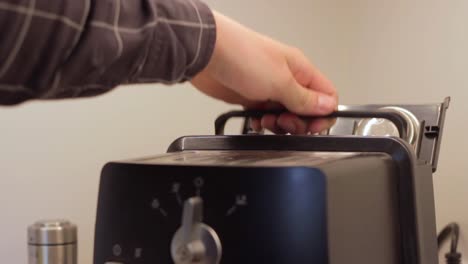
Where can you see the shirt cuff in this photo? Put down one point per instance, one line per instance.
(207, 39)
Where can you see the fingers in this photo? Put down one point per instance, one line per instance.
(306, 74)
(321, 124)
(256, 124)
(290, 123)
(304, 101)
(270, 122)
(307, 91)
(297, 126)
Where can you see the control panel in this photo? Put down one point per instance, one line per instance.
(200, 214)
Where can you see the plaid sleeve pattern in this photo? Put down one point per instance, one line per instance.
(53, 49)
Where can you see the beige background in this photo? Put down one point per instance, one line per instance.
(375, 51)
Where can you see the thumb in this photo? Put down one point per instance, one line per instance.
(303, 101)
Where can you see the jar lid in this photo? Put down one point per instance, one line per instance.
(52, 232)
(383, 127)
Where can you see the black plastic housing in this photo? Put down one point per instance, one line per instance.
(374, 207)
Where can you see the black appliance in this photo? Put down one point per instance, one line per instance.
(360, 192)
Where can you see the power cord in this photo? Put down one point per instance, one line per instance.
(452, 230)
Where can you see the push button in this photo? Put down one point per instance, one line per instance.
(117, 250)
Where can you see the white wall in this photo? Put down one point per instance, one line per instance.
(51, 153)
(417, 52)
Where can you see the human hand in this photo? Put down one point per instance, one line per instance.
(257, 72)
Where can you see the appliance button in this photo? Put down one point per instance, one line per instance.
(138, 252)
(117, 250)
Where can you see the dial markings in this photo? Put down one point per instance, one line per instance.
(240, 201)
(175, 190)
(198, 182)
(163, 212)
(231, 210)
(156, 205)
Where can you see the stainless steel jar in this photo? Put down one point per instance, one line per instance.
(52, 242)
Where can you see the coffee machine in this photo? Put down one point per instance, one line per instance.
(359, 192)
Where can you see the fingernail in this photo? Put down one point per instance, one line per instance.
(326, 104)
(319, 127)
(289, 127)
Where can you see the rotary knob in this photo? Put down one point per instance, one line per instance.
(195, 242)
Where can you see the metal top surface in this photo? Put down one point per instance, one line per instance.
(261, 158)
(52, 232)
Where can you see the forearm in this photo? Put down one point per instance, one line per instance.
(67, 48)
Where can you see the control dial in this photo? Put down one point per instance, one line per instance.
(195, 242)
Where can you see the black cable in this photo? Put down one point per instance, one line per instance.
(452, 230)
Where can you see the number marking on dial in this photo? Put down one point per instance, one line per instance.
(175, 190)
